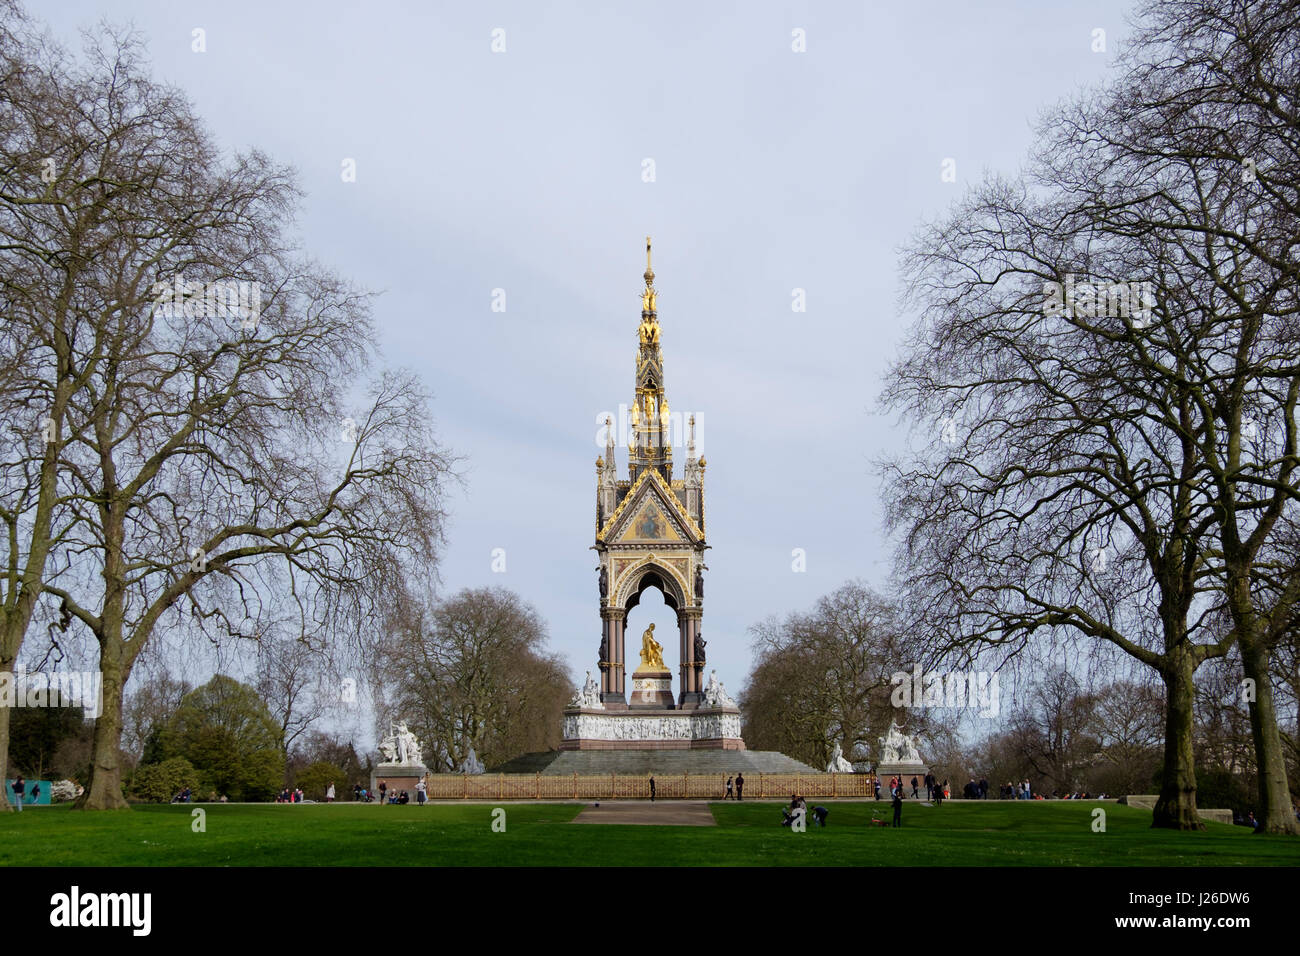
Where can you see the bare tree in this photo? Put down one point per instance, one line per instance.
(147, 709)
(1193, 162)
(1224, 740)
(293, 679)
(824, 677)
(210, 369)
(1056, 489)
(1128, 723)
(473, 671)
(1054, 732)
(37, 375)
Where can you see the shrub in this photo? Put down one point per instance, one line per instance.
(63, 790)
(159, 782)
(320, 775)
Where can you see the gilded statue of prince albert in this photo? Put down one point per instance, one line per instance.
(652, 652)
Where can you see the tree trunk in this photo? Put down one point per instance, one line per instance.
(6, 667)
(1274, 813)
(1176, 808)
(105, 789)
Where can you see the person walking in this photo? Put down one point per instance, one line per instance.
(914, 792)
(730, 795)
(740, 786)
(652, 788)
(329, 793)
(898, 809)
(19, 787)
(36, 792)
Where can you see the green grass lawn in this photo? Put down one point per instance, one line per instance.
(957, 834)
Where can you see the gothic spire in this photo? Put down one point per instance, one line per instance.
(650, 440)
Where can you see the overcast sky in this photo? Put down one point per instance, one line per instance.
(523, 170)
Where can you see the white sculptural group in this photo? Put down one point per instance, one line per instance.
(588, 696)
(898, 747)
(471, 764)
(838, 763)
(400, 746)
(715, 694)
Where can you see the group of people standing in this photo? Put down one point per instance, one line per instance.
(934, 790)
(738, 792)
(20, 792)
(898, 787)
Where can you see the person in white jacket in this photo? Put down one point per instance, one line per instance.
(329, 794)
(420, 789)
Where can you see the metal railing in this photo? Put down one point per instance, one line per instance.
(612, 786)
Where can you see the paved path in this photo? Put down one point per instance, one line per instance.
(672, 813)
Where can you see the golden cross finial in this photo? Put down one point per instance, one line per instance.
(649, 273)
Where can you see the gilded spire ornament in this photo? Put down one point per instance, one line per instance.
(649, 296)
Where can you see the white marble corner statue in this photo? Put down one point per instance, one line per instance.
(838, 764)
(471, 764)
(588, 695)
(715, 694)
(898, 747)
(400, 747)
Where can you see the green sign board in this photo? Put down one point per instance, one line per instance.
(34, 792)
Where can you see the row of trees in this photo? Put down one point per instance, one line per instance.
(826, 677)
(1066, 737)
(471, 673)
(172, 459)
(1103, 381)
